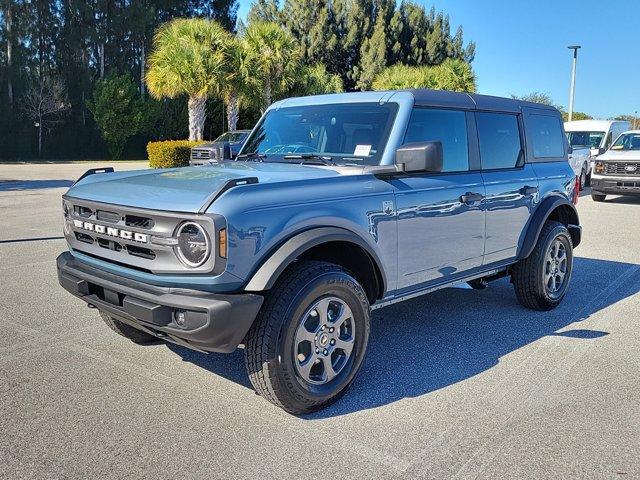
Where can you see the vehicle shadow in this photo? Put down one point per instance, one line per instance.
(18, 185)
(425, 344)
(629, 200)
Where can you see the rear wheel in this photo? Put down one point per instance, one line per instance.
(133, 334)
(308, 342)
(541, 280)
(598, 197)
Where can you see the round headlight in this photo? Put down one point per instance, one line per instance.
(193, 244)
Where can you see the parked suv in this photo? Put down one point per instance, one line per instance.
(617, 171)
(336, 205)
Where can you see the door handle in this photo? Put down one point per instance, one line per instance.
(471, 197)
(527, 190)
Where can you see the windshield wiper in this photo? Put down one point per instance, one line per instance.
(258, 157)
(304, 157)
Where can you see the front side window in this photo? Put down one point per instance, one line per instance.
(446, 126)
(546, 135)
(499, 139)
(347, 133)
(627, 141)
(586, 139)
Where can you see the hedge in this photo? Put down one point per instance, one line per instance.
(170, 153)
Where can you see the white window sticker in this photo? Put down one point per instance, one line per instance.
(362, 150)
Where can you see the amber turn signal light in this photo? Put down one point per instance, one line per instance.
(222, 243)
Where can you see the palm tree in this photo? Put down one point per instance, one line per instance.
(275, 55)
(189, 57)
(240, 86)
(452, 74)
(455, 74)
(315, 80)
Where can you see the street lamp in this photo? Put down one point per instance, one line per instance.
(573, 78)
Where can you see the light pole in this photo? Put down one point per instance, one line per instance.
(573, 78)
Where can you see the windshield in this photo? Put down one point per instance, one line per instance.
(232, 137)
(585, 139)
(627, 141)
(347, 133)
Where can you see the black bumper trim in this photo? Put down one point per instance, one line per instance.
(616, 186)
(213, 322)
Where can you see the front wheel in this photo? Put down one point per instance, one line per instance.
(308, 342)
(541, 280)
(598, 197)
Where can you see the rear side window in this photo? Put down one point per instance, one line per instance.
(499, 139)
(546, 136)
(446, 126)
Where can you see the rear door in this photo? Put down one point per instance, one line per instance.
(511, 184)
(440, 215)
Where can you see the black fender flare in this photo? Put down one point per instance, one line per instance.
(541, 215)
(265, 277)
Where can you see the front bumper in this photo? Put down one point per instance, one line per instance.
(615, 185)
(212, 322)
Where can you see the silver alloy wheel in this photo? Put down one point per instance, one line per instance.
(324, 340)
(555, 268)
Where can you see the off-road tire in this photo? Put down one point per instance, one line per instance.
(598, 197)
(527, 275)
(133, 334)
(269, 344)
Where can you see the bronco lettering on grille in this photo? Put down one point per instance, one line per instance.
(111, 231)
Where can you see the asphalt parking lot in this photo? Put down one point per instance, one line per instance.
(457, 384)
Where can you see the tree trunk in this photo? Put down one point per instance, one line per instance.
(40, 138)
(197, 114)
(142, 60)
(101, 53)
(233, 111)
(8, 27)
(267, 92)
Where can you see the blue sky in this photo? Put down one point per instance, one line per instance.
(521, 47)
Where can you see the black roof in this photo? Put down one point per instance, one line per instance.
(471, 101)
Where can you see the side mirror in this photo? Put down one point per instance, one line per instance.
(420, 157)
(225, 151)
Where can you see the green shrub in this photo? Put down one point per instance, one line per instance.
(170, 153)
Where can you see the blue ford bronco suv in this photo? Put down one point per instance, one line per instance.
(336, 205)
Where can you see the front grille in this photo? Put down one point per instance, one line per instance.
(201, 154)
(111, 217)
(84, 238)
(137, 238)
(81, 211)
(622, 168)
(141, 252)
(140, 222)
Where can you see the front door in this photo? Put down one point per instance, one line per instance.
(440, 215)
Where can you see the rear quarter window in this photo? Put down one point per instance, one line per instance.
(546, 136)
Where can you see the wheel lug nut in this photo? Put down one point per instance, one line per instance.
(317, 350)
(331, 330)
(323, 327)
(333, 342)
(326, 352)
